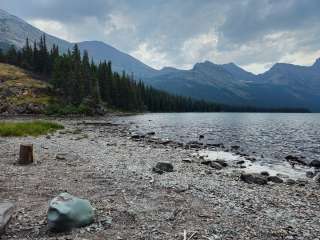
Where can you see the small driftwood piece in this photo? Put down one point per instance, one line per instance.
(26, 154)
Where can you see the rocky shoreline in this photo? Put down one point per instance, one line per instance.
(113, 168)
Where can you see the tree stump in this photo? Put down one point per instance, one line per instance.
(26, 154)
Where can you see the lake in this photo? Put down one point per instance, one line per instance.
(269, 137)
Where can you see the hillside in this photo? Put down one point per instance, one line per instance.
(22, 93)
(14, 31)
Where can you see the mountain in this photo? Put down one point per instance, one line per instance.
(120, 61)
(284, 85)
(14, 31)
(238, 73)
(205, 80)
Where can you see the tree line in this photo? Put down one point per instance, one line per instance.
(80, 81)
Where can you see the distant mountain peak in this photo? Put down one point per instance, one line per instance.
(231, 64)
(204, 65)
(168, 69)
(317, 63)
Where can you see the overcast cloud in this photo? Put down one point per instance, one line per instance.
(252, 33)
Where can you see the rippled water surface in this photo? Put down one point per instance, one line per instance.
(272, 135)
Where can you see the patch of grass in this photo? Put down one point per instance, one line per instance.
(28, 128)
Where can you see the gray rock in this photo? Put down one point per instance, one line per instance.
(254, 178)
(223, 163)
(282, 175)
(317, 178)
(310, 174)
(290, 182)
(240, 162)
(216, 165)
(295, 160)
(274, 179)
(213, 164)
(315, 164)
(162, 167)
(138, 135)
(67, 212)
(61, 156)
(302, 182)
(194, 144)
(265, 173)
(6, 211)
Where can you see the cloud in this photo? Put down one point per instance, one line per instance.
(179, 33)
(151, 55)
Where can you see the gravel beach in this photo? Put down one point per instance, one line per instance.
(100, 162)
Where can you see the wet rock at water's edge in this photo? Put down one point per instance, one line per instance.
(223, 163)
(6, 211)
(310, 174)
(291, 182)
(254, 178)
(274, 179)
(315, 164)
(240, 162)
(295, 160)
(137, 135)
(214, 164)
(265, 173)
(162, 167)
(67, 212)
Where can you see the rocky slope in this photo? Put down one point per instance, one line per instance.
(22, 93)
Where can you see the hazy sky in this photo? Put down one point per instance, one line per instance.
(252, 33)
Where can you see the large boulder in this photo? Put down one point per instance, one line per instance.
(67, 212)
(254, 178)
(6, 211)
(162, 167)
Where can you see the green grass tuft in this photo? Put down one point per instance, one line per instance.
(28, 128)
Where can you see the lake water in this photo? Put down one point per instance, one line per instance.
(271, 135)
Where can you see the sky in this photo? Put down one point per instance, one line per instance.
(254, 34)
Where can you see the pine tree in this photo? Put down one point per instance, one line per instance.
(2, 56)
(12, 57)
(86, 73)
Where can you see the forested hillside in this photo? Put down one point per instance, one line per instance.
(85, 85)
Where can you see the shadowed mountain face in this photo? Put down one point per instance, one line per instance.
(284, 85)
(120, 61)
